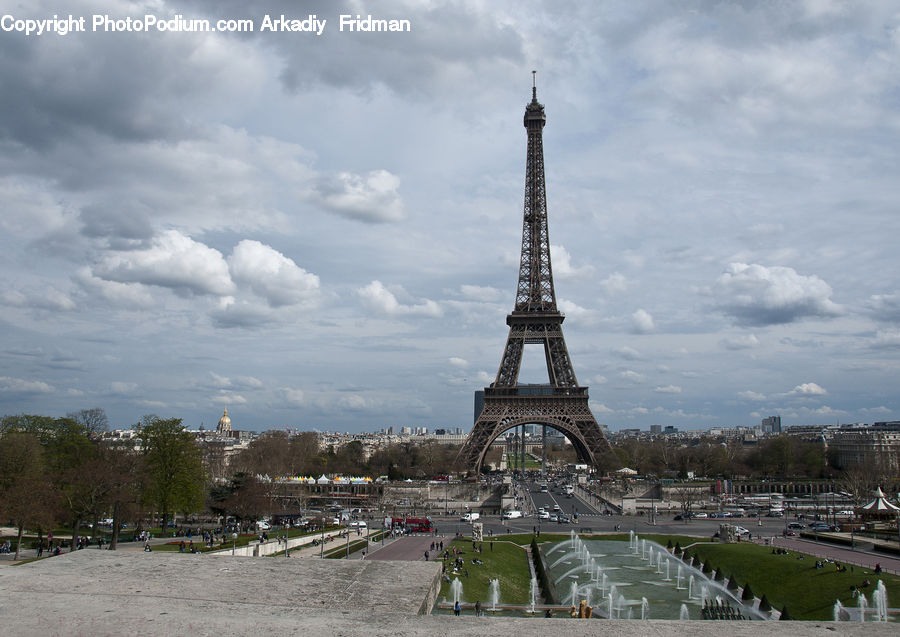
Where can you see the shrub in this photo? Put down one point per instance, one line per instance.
(785, 615)
(747, 595)
(764, 604)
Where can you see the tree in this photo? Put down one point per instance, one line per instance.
(94, 420)
(175, 478)
(26, 497)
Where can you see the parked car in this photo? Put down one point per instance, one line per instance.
(794, 525)
(700, 516)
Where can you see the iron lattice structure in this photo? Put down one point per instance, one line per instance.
(561, 404)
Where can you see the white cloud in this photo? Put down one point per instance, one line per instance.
(126, 295)
(668, 389)
(373, 197)
(120, 387)
(759, 295)
(272, 276)
(807, 389)
(174, 261)
(562, 264)
(22, 386)
(631, 376)
(751, 395)
(614, 283)
(485, 294)
(380, 300)
(48, 299)
(642, 322)
(744, 341)
(600, 408)
(458, 362)
(627, 353)
(886, 339)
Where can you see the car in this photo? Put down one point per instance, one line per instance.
(556, 507)
(795, 525)
(544, 515)
(553, 518)
(563, 519)
(700, 516)
(819, 526)
(358, 524)
(741, 530)
(511, 515)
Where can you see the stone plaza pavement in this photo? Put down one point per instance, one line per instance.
(137, 593)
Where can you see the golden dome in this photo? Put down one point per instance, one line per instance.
(224, 423)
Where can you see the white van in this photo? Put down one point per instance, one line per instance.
(470, 517)
(511, 515)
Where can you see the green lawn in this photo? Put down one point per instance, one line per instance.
(508, 563)
(787, 580)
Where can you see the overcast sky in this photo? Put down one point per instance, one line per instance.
(323, 232)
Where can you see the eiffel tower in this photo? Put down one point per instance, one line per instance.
(562, 403)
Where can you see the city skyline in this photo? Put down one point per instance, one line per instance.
(323, 231)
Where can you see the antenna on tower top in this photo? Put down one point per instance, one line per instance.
(534, 85)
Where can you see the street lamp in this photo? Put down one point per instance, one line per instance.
(233, 543)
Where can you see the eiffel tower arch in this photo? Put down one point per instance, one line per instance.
(562, 403)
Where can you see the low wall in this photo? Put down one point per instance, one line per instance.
(255, 549)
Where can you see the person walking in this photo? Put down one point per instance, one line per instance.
(478, 608)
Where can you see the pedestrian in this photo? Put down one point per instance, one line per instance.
(426, 556)
(456, 608)
(478, 608)
(492, 545)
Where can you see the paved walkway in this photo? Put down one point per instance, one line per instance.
(410, 548)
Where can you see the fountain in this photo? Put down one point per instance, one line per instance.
(618, 579)
(534, 588)
(840, 613)
(863, 605)
(684, 614)
(456, 590)
(495, 594)
(879, 601)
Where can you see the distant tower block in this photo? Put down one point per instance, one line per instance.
(224, 426)
(562, 403)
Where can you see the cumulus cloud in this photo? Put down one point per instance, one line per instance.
(486, 294)
(631, 376)
(125, 295)
(807, 389)
(272, 275)
(458, 362)
(378, 299)
(562, 263)
(49, 298)
(751, 395)
(745, 341)
(373, 197)
(642, 322)
(120, 387)
(668, 389)
(885, 307)
(614, 283)
(21, 386)
(628, 353)
(886, 339)
(173, 260)
(759, 295)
